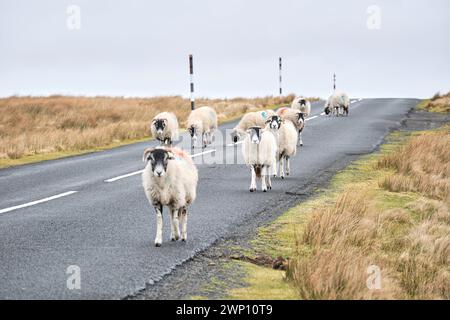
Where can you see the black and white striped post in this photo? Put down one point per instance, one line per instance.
(279, 64)
(334, 81)
(191, 74)
(191, 89)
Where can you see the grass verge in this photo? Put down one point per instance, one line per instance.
(384, 218)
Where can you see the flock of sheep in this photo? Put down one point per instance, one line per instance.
(269, 140)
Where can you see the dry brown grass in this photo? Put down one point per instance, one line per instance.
(438, 103)
(42, 125)
(397, 219)
(423, 166)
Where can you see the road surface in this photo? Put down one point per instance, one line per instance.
(90, 211)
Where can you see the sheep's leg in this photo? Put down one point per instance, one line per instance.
(159, 222)
(183, 222)
(288, 165)
(300, 141)
(279, 164)
(269, 181)
(274, 166)
(253, 182)
(203, 141)
(174, 225)
(264, 173)
(282, 167)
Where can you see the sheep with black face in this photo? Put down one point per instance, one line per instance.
(164, 128)
(202, 122)
(296, 117)
(170, 179)
(286, 136)
(303, 105)
(338, 104)
(250, 119)
(259, 150)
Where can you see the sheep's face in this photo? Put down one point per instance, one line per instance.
(160, 125)
(274, 122)
(255, 134)
(302, 102)
(301, 119)
(158, 159)
(235, 135)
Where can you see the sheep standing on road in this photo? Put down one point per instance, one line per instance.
(250, 119)
(338, 104)
(259, 150)
(303, 105)
(296, 117)
(286, 137)
(170, 179)
(164, 128)
(202, 121)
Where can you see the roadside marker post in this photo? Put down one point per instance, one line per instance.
(279, 79)
(191, 89)
(191, 74)
(334, 82)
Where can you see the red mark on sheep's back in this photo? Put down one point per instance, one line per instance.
(180, 154)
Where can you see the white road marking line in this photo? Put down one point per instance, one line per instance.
(310, 118)
(234, 144)
(29, 204)
(124, 176)
(201, 153)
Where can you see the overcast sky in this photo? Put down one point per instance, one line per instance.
(140, 47)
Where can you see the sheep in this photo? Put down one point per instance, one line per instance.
(259, 150)
(164, 128)
(338, 103)
(296, 117)
(250, 119)
(170, 179)
(202, 121)
(302, 104)
(286, 137)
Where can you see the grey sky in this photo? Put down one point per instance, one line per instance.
(140, 48)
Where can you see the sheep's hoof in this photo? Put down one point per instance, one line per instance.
(282, 177)
(301, 144)
(184, 240)
(252, 189)
(264, 190)
(157, 244)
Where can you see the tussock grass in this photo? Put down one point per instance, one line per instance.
(31, 126)
(438, 103)
(397, 219)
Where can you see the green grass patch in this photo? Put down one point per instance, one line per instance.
(262, 284)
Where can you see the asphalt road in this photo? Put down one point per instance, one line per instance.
(91, 211)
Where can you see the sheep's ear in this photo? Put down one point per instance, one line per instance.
(146, 153)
